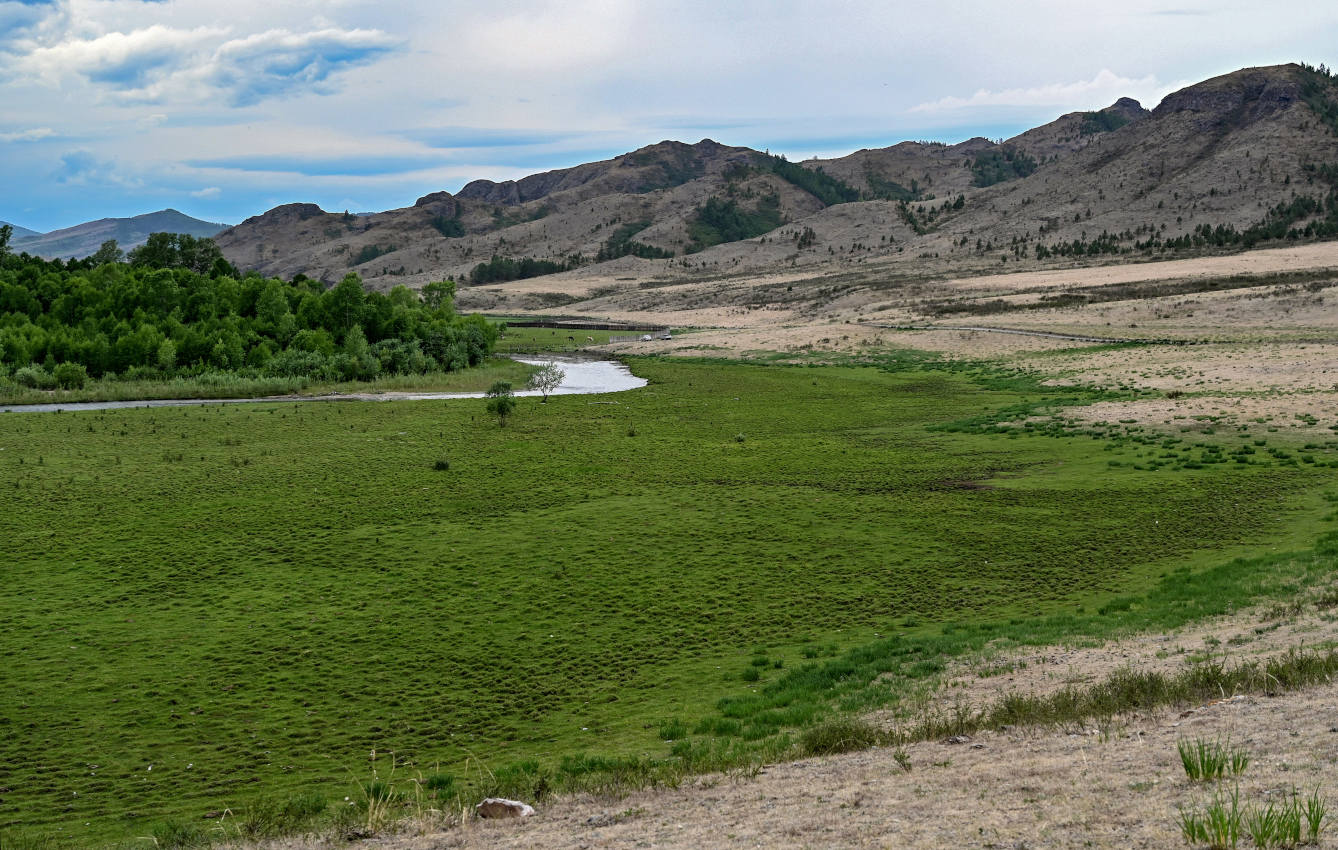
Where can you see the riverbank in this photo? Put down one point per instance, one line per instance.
(581, 376)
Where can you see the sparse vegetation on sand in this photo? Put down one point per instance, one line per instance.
(283, 588)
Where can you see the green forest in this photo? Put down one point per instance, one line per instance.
(175, 308)
(1001, 165)
(718, 221)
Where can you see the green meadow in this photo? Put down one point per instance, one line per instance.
(529, 341)
(209, 607)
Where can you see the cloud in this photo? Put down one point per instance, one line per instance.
(82, 168)
(474, 137)
(552, 36)
(1099, 91)
(159, 63)
(18, 19)
(208, 192)
(125, 61)
(278, 62)
(31, 135)
(318, 166)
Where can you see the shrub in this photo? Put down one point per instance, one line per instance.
(501, 401)
(70, 376)
(441, 465)
(34, 378)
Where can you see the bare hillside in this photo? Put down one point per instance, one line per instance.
(1115, 184)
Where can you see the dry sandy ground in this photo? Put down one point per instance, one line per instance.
(1232, 368)
(1271, 261)
(1303, 414)
(1118, 786)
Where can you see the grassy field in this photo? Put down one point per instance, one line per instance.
(543, 340)
(224, 385)
(206, 607)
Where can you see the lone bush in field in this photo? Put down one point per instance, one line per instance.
(501, 401)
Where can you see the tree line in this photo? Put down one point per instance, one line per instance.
(176, 308)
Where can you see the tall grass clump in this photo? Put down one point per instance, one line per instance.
(1217, 825)
(838, 735)
(1208, 760)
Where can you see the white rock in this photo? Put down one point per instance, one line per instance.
(497, 807)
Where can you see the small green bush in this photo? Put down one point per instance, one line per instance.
(70, 376)
(34, 378)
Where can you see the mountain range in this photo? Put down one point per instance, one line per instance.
(1221, 153)
(1245, 156)
(84, 239)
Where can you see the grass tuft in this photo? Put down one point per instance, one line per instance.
(839, 735)
(1205, 760)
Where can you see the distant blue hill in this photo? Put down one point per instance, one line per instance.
(20, 232)
(84, 239)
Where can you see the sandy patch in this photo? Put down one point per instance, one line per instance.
(1308, 413)
(1318, 255)
(1232, 368)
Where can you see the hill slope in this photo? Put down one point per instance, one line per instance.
(84, 239)
(1220, 154)
(20, 232)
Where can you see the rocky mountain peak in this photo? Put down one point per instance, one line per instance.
(1247, 95)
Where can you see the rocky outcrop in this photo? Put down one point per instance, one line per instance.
(286, 214)
(1128, 108)
(1238, 98)
(438, 203)
(659, 166)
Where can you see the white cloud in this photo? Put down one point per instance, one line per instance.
(278, 61)
(130, 61)
(1101, 90)
(31, 135)
(21, 19)
(208, 192)
(551, 36)
(160, 64)
(83, 168)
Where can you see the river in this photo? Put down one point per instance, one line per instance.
(580, 377)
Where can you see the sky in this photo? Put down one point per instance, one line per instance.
(226, 109)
